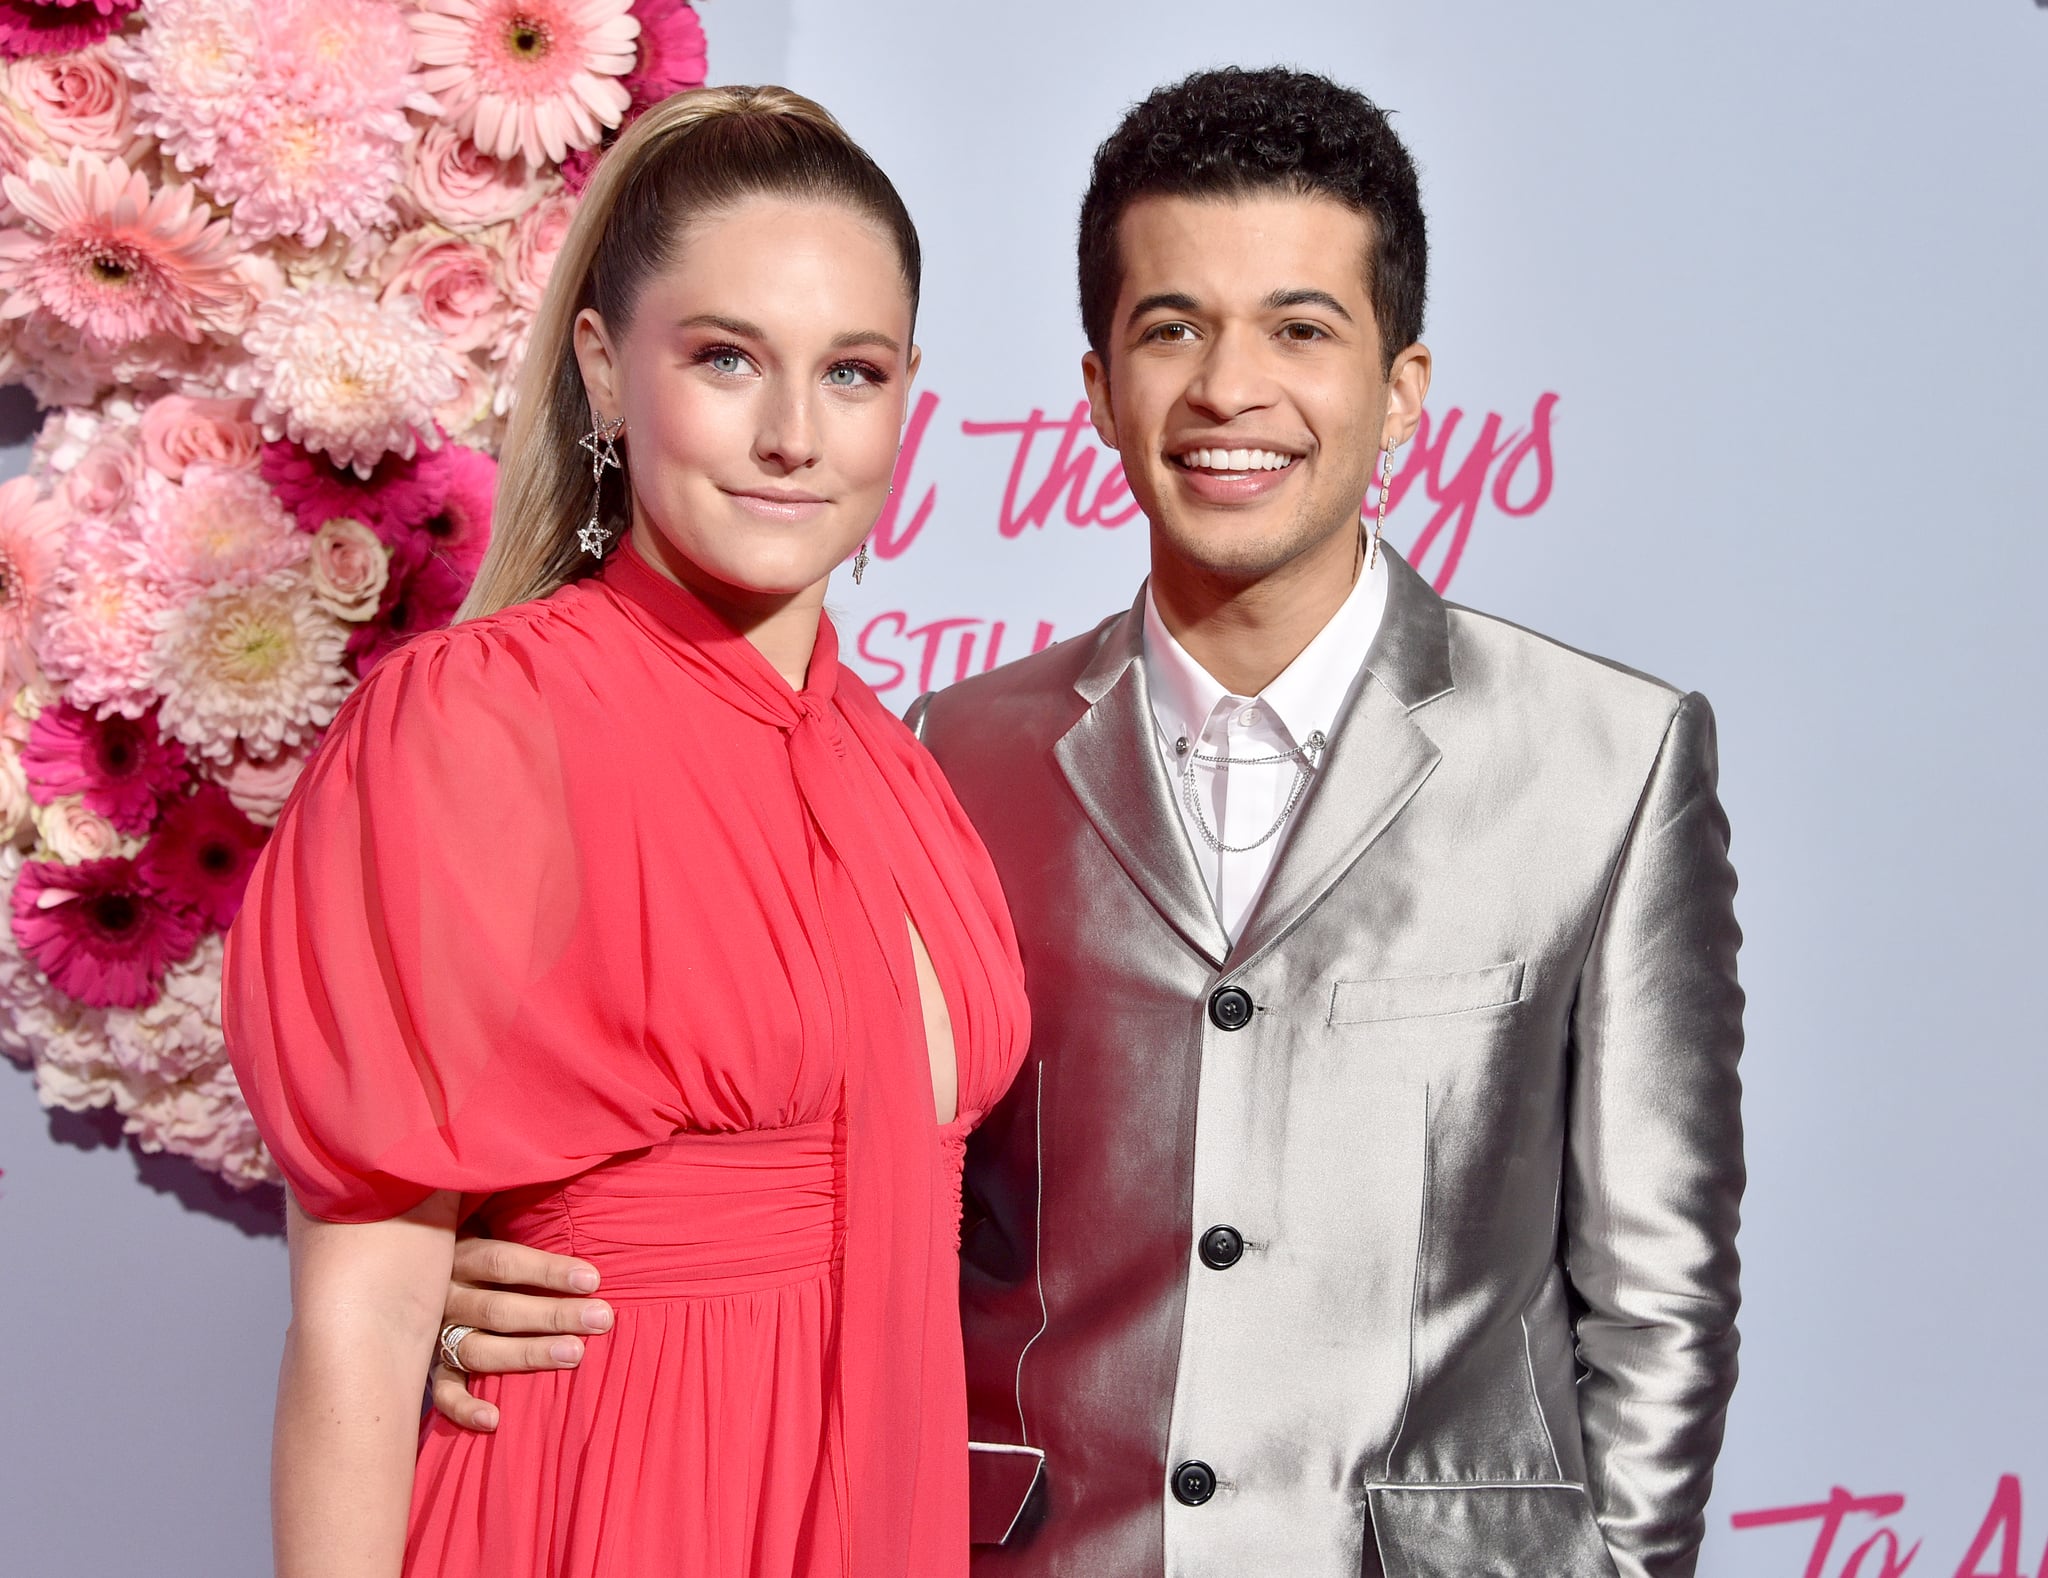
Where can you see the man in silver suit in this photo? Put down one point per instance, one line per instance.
(1368, 1202)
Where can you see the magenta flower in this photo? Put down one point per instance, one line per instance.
(121, 766)
(98, 932)
(28, 27)
(201, 857)
(671, 52)
(398, 494)
(426, 599)
(460, 530)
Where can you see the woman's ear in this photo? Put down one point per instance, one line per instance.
(599, 364)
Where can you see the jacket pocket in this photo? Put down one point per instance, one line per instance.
(1426, 996)
(1488, 1531)
(1000, 1482)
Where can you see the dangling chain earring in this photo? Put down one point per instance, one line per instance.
(860, 554)
(1372, 554)
(601, 441)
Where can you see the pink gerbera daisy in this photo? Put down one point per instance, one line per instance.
(671, 55)
(31, 28)
(460, 530)
(98, 931)
(31, 542)
(398, 494)
(116, 261)
(424, 600)
(201, 857)
(122, 767)
(529, 77)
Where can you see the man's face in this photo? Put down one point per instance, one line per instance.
(1243, 382)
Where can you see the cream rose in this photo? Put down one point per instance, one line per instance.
(179, 431)
(78, 100)
(349, 569)
(455, 183)
(453, 281)
(17, 810)
(72, 834)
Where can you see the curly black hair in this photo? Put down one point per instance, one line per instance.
(1232, 132)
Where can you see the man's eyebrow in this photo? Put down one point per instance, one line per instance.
(1167, 300)
(1306, 297)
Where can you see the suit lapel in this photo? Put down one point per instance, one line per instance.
(1111, 760)
(1378, 758)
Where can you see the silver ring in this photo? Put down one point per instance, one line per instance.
(451, 1346)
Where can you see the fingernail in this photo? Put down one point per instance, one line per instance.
(583, 1281)
(486, 1419)
(565, 1352)
(597, 1318)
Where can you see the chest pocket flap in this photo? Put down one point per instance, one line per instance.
(1426, 996)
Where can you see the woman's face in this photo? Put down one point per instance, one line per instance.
(762, 380)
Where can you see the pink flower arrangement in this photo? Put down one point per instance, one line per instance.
(400, 491)
(273, 266)
(123, 768)
(201, 857)
(535, 78)
(98, 931)
(43, 27)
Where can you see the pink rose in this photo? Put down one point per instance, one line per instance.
(453, 281)
(79, 100)
(102, 483)
(537, 237)
(349, 570)
(178, 431)
(260, 789)
(454, 181)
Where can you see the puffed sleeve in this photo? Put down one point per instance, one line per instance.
(405, 986)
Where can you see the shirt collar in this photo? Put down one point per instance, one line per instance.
(1306, 696)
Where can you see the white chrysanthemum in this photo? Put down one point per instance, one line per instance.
(257, 666)
(334, 370)
(178, 1036)
(192, 66)
(206, 1119)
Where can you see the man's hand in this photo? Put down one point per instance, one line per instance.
(524, 1305)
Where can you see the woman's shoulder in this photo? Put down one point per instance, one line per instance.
(515, 654)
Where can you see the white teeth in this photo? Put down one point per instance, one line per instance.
(1237, 460)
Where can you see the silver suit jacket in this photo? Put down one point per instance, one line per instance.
(1476, 1131)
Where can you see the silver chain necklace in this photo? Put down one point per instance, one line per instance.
(1303, 756)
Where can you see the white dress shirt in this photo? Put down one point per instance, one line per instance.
(1240, 802)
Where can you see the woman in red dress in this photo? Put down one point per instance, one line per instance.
(623, 918)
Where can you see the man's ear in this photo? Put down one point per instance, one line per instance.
(599, 364)
(1407, 389)
(1095, 379)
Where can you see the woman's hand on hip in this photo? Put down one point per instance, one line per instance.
(529, 1314)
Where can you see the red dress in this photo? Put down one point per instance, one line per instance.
(582, 912)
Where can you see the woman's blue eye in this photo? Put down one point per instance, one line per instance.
(727, 362)
(852, 375)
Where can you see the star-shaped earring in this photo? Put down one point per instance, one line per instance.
(601, 441)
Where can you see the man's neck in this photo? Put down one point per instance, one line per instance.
(1245, 633)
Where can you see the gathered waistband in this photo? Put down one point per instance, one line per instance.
(698, 1215)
